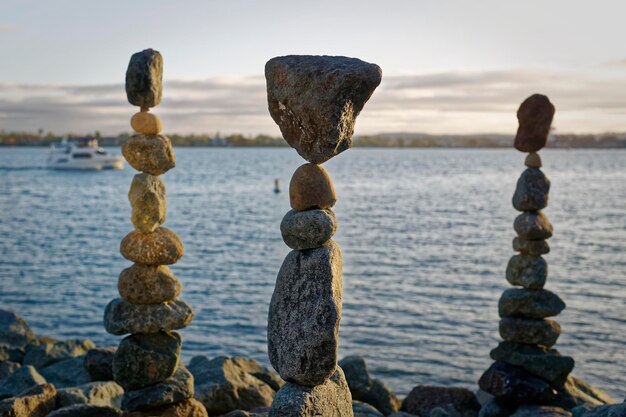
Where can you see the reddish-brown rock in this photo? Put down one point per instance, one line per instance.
(146, 123)
(161, 247)
(141, 284)
(535, 117)
(311, 187)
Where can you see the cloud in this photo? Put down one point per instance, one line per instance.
(6, 28)
(444, 102)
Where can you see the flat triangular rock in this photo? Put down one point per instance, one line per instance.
(315, 100)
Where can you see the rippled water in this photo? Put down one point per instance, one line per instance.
(426, 235)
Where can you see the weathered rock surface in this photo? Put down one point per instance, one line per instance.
(540, 411)
(531, 193)
(330, 399)
(615, 410)
(103, 393)
(381, 397)
(577, 392)
(357, 375)
(99, 363)
(512, 385)
(424, 398)
(528, 331)
(21, 380)
(315, 101)
(146, 359)
(308, 229)
(144, 78)
(87, 410)
(538, 361)
(7, 368)
(495, 408)
(14, 331)
(305, 310)
(148, 200)
(152, 154)
(531, 247)
(161, 247)
(142, 284)
(48, 353)
(532, 304)
(527, 271)
(187, 408)
(66, 373)
(146, 123)
(36, 401)
(13, 354)
(533, 160)
(122, 317)
(533, 226)
(225, 384)
(178, 387)
(311, 187)
(535, 117)
(361, 409)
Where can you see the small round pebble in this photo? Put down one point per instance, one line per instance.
(311, 187)
(161, 247)
(533, 160)
(146, 123)
(308, 229)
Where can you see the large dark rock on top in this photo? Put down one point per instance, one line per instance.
(535, 117)
(14, 331)
(144, 78)
(512, 385)
(531, 192)
(424, 398)
(315, 100)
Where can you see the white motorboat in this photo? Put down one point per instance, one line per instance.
(82, 154)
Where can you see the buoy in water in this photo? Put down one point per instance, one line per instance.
(276, 186)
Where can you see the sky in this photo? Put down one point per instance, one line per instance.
(448, 66)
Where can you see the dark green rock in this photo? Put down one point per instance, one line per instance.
(530, 331)
(530, 247)
(531, 193)
(308, 229)
(532, 304)
(527, 271)
(533, 226)
(144, 78)
(176, 388)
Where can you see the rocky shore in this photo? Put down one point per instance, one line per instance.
(40, 376)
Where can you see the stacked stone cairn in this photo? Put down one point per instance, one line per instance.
(527, 370)
(147, 362)
(315, 101)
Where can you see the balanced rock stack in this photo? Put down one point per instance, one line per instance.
(527, 369)
(315, 101)
(147, 362)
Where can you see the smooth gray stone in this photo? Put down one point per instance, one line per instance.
(48, 353)
(527, 271)
(533, 226)
(122, 317)
(99, 363)
(304, 315)
(308, 229)
(14, 331)
(531, 192)
(86, 410)
(512, 385)
(19, 381)
(66, 373)
(144, 78)
(531, 304)
(146, 359)
(538, 361)
(529, 331)
(330, 399)
(357, 376)
(178, 387)
(315, 100)
(225, 384)
(361, 409)
(531, 247)
(103, 393)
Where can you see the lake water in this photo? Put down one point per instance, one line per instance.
(426, 235)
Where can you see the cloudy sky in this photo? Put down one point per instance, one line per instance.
(448, 66)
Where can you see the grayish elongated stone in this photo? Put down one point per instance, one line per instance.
(527, 271)
(308, 229)
(66, 373)
(533, 226)
(178, 387)
(20, 380)
(48, 353)
(528, 331)
(315, 100)
(14, 331)
(148, 201)
(532, 304)
(531, 193)
(305, 310)
(122, 317)
(151, 154)
(144, 78)
(146, 359)
(330, 399)
(530, 247)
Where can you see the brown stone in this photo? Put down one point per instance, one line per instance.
(37, 401)
(528, 331)
(161, 247)
(148, 200)
(531, 247)
(151, 154)
(188, 408)
(535, 117)
(533, 225)
(141, 284)
(311, 187)
(533, 160)
(146, 123)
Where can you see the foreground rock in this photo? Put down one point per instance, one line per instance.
(187, 408)
(361, 409)
(66, 373)
(141, 284)
(535, 117)
(144, 79)
(178, 387)
(308, 229)
(615, 410)
(86, 410)
(99, 363)
(540, 411)
(577, 392)
(122, 317)
(160, 247)
(36, 401)
(423, 399)
(104, 393)
(48, 353)
(148, 201)
(511, 385)
(14, 332)
(19, 381)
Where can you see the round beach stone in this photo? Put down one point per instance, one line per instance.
(533, 160)
(311, 187)
(308, 229)
(149, 203)
(151, 154)
(122, 317)
(531, 304)
(146, 123)
(161, 247)
(178, 387)
(535, 117)
(527, 271)
(533, 226)
(531, 193)
(146, 359)
(531, 247)
(529, 331)
(141, 284)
